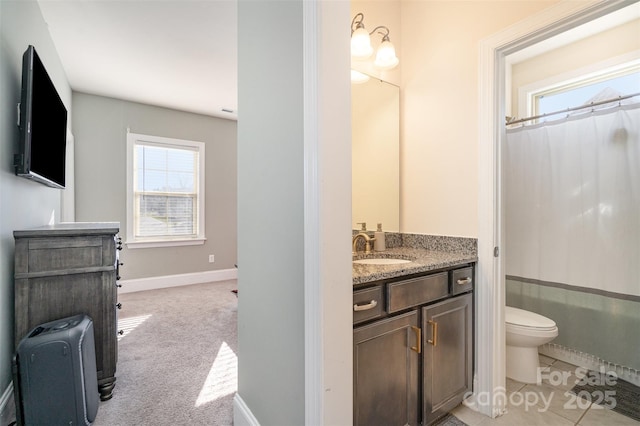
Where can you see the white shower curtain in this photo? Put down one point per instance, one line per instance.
(572, 201)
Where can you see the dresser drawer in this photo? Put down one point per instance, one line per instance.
(418, 291)
(367, 304)
(461, 280)
(64, 253)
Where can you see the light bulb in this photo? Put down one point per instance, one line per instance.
(361, 44)
(386, 56)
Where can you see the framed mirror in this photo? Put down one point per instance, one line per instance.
(375, 127)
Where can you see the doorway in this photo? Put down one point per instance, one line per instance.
(490, 359)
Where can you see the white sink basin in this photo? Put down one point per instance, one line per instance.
(381, 261)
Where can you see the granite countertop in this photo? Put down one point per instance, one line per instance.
(422, 260)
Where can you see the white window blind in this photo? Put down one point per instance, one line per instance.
(166, 187)
(166, 201)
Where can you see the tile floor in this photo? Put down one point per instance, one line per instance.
(546, 404)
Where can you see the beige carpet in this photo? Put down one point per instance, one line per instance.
(177, 358)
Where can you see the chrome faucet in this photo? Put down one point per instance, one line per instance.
(367, 241)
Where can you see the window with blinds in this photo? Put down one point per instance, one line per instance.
(166, 190)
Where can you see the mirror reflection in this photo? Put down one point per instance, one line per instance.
(375, 114)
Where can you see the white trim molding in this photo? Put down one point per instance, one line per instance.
(136, 139)
(490, 291)
(328, 316)
(165, 243)
(313, 345)
(154, 283)
(242, 415)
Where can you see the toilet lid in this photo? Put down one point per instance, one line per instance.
(524, 318)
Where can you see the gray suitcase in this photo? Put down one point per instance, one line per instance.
(55, 377)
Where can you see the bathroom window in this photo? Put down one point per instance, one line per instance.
(602, 88)
(582, 87)
(610, 78)
(165, 191)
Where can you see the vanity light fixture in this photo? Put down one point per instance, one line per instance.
(361, 48)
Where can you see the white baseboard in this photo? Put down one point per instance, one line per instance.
(592, 362)
(153, 283)
(7, 406)
(242, 415)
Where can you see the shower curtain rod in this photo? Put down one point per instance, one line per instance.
(592, 104)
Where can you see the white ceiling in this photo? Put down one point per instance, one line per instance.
(179, 54)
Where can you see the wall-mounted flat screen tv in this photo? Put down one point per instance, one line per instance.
(43, 126)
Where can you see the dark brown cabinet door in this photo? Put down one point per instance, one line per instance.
(447, 355)
(385, 372)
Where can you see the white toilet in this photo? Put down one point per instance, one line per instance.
(525, 332)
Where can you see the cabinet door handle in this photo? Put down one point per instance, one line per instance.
(434, 332)
(418, 346)
(366, 307)
(463, 281)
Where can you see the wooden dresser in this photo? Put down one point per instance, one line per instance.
(68, 269)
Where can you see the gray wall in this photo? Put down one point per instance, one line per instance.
(23, 204)
(100, 130)
(271, 211)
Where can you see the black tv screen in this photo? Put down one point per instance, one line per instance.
(43, 126)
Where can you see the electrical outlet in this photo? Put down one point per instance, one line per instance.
(212, 258)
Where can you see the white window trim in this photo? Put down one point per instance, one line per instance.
(133, 242)
(527, 93)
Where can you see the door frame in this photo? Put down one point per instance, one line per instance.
(489, 395)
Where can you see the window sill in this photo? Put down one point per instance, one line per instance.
(164, 243)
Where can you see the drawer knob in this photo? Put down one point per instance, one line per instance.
(366, 307)
(463, 281)
(119, 305)
(121, 332)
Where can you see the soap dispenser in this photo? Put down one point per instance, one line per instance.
(379, 244)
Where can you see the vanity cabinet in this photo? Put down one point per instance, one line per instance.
(70, 269)
(385, 369)
(412, 347)
(447, 355)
